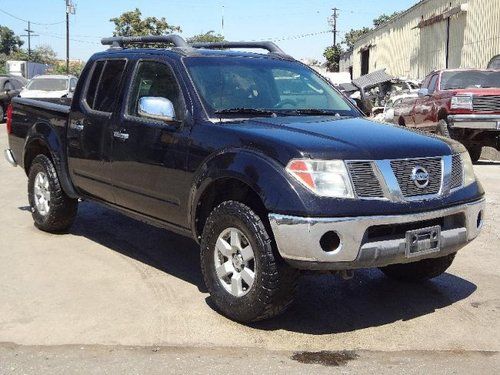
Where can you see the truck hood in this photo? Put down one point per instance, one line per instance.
(343, 138)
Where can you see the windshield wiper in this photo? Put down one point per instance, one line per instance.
(245, 111)
(312, 111)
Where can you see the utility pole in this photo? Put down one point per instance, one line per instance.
(29, 35)
(222, 21)
(334, 24)
(70, 9)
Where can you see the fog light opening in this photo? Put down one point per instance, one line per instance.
(479, 222)
(330, 241)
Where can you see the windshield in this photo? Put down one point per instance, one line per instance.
(256, 85)
(48, 84)
(470, 79)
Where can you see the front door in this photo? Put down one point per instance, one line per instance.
(149, 155)
(89, 130)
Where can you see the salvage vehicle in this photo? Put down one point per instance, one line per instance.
(253, 155)
(375, 89)
(463, 104)
(392, 104)
(10, 86)
(53, 88)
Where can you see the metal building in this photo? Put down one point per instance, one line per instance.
(432, 34)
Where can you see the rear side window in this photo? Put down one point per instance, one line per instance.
(104, 85)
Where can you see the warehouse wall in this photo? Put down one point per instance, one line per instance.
(406, 50)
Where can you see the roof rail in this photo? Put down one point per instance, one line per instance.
(270, 46)
(121, 41)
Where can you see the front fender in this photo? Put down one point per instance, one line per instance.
(278, 192)
(45, 134)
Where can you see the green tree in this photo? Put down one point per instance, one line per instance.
(44, 54)
(353, 36)
(9, 42)
(75, 67)
(208, 37)
(332, 56)
(132, 24)
(383, 18)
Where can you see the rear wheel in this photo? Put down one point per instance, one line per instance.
(247, 280)
(419, 271)
(51, 208)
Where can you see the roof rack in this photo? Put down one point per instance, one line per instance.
(121, 41)
(270, 46)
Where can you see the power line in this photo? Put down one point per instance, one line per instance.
(34, 23)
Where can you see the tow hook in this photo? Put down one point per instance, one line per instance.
(347, 274)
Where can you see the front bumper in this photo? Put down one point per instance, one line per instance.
(472, 121)
(372, 241)
(9, 156)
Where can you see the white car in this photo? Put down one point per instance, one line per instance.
(54, 88)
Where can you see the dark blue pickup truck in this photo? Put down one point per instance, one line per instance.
(253, 155)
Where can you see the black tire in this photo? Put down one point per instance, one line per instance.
(475, 152)
(62, 209)
(419, 271)
(442, 128)
(275, 282)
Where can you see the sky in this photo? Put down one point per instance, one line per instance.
(300, 27)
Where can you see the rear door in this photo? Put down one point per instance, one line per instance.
(89, 134)
(149, 156)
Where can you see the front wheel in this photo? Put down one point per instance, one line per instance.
(246, 278)
(51, 208)
(422, 270)
(442, 128)
(474, 152)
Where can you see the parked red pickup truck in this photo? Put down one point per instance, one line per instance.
(461, 103)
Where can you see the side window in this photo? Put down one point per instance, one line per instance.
(432, 83)
(94, 81)
(157, 80)
(425, 83)
(104, 84)
(72, 84)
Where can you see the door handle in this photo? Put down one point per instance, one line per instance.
(120, 135)
(77, 126)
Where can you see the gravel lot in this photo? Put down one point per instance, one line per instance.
(115, 294)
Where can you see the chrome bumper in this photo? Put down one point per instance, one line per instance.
(9, 156)
(298, 238)
(485, 122)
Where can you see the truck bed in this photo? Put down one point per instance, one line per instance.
(31, 112)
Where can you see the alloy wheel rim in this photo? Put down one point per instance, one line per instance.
(42, 193)
(234, 262)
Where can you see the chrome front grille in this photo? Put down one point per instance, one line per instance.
(457, 173)
(403, 170)
(366, 184)
(486, 103)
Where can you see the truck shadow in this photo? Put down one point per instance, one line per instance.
(325, 304)
(166, 251)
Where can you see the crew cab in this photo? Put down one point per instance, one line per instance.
(253, 155)
(463, 104)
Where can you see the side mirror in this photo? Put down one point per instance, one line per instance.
(156, 108)
(423, 92)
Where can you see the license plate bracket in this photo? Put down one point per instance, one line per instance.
(423, 241)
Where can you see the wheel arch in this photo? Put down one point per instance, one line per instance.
(244, 176)
(42, 138)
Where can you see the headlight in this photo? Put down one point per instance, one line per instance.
(469, 176)
(461, 102)
(328, 178)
